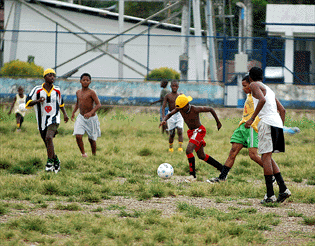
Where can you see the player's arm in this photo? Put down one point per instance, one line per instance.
(160, 100)
(65, 116)
(76, 106)
(12, 105)
(258, 94)
(212, 111)
(281, 110)
(96, 107)
(174, 111)
(31, 103)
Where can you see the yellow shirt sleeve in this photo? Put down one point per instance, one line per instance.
(248, 111)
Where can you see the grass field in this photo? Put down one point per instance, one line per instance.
(116, 197)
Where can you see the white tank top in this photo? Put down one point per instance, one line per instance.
(269, 114)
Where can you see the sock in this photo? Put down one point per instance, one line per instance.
(180, 144)
(171, 145)
(191, 160)
(18, 125)
(280, 182)
(224, 172)
(268, 179)
(213, 162)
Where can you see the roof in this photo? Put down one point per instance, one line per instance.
(104, 13)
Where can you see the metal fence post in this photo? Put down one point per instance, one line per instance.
(264, 56)
(56, 46)
(224, 59)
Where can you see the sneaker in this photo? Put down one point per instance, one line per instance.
(215, 180)
(180, 150)
(284, 195)
(171, 150)
(190, 179)
(57, 165)
(84, 155)
(50, 166)
(267, 199)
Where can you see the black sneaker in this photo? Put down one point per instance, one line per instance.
(267, 199)
(215, 180)
(282, 196)
(50, 166)
(56, 165)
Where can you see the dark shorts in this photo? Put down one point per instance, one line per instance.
(52, 127)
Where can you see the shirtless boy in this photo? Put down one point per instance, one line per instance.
(176, 121)
(87, 121)
(196, 132)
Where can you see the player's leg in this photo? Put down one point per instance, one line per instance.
(205, 157)
(284, 192)
(171, 139)
(253, 154)
(93, 146)
(191, 160)
(18, 121)
(180, 138)
(79, 139)
(52, 157)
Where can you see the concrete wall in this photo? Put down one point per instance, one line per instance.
(142, 93)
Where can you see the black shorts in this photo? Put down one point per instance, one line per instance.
(52, 127)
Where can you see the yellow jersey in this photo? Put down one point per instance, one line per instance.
(248, 112)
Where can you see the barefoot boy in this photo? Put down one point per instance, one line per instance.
(176, 121)
(87, 120)
(196, 132)
(47, 101)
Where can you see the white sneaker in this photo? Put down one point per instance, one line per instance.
(267, 199)
(190, 179)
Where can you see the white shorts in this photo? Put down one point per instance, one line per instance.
(91, 126)
(270, 139)
(175, 121)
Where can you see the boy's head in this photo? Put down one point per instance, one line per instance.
(182, 101)
(20, 90)
(49, 75)
(174, 85)
(245, 84)
(85, 80)
(255, 74)
(87, 75)
(164, 83)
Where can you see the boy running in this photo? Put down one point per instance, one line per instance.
(196, 132)
(19, 99)
(270, 132)
(176, 121)
(242, 137)
(48, 102)
(87, 121)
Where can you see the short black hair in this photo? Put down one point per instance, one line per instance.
(246, 78)
(85, 74)
(175, 81)
(256, 73)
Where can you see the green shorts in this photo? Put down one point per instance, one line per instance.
(246, 136)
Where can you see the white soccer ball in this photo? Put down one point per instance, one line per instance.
(165, 171)
(22, 107)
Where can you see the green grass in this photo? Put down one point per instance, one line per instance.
(128, 154)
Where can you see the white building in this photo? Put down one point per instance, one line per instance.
(44, 33)
(294, 22)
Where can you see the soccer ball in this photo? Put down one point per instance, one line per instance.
(22, 107)
(165, 171)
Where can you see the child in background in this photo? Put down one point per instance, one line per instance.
(163, 93)
(18, 104)
(196, 132)
(87, 121)
(176, 121)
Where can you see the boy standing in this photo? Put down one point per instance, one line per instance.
(48, 102)
(87, 121)
(176, 121)
(270, 132)
(19, 99)
(196, 132)
(163, 93)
